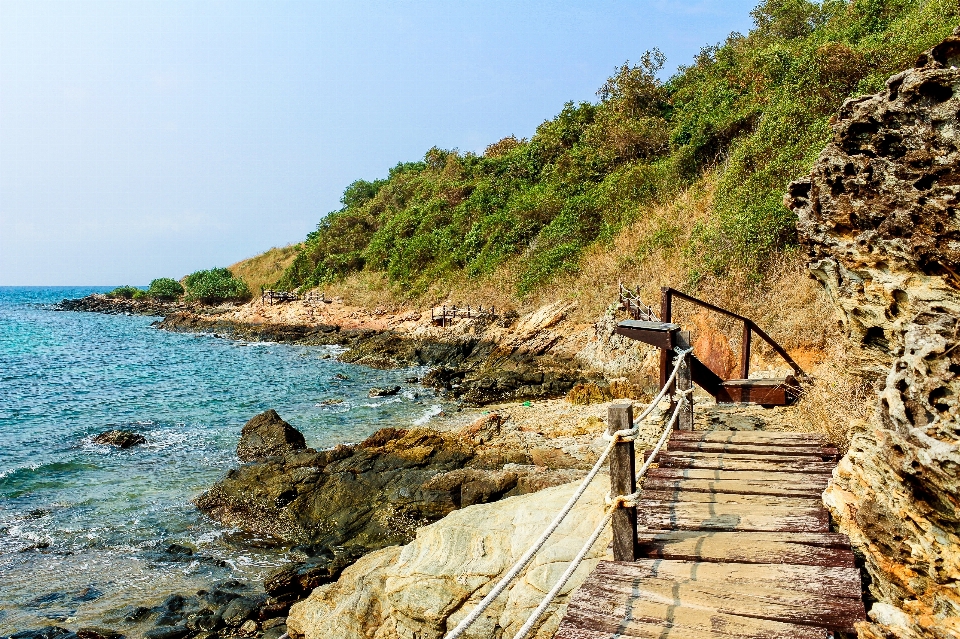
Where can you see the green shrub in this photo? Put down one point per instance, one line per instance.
(165, 288)
(754, 109)
(214, 286)
(125, 292)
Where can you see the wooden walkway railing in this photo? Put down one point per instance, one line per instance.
(445, 316)
(279, 297)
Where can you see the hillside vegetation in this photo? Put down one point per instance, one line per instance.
(739, 123)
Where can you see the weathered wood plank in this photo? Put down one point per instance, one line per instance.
(725, 461)
(754, 548)
(750, 449)
(587, 620)
(644, 592)
(725, 516)
(733, 498)
(719, 474)
(733, 486)
(752, 437)
(820, 540)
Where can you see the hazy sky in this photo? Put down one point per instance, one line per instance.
(146, 139)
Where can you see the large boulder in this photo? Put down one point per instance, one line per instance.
(879, 214)
(425, 588)
(267, 435)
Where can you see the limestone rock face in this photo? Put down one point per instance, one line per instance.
(880, 216)
(879, 210)
(425, 588)
(267, 435)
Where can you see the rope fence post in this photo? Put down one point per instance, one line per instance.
(623, 481)
(684, 383)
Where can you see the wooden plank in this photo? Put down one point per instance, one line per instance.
(735, 486)
(723, 461)
(799, 479)
(768, 395)
(754, 548)
(586, 619)
(733, 498)
(632, 596)
(819, 540)
(749, 449)
(751, 437)
(725, 516)
(659, 334)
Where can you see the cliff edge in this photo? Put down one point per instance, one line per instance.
(879, 215)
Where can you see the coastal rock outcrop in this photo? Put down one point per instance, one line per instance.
(267, 435)
(879, 214)
(340, 504)
(425, 588)
(97, 303)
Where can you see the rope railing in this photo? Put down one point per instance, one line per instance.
(627, 434)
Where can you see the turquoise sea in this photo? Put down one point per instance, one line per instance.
(84, 527)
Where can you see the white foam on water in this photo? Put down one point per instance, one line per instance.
(432, 412)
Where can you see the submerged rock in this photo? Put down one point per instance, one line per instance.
(879, 213)
(120, 438)
(267, 435)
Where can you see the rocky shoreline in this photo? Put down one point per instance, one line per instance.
(332, 507)
(477, 361)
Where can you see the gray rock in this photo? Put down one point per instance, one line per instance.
(120, 438)
(239, 610)
(384, 392)
(267, 435)
(167, 632)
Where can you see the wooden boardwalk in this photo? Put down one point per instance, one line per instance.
(733, 541)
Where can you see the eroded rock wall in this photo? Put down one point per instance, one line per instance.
(879, 214)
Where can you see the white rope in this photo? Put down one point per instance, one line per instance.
(630, 434)
(531, 551)
(625, 501)
(614, 438)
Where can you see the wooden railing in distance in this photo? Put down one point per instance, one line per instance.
(749, 328)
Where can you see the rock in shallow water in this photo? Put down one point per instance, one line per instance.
(879, 214)
(384, 392)
(120, 438)
(267, 435)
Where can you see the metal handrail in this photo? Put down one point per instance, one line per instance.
(749, 327)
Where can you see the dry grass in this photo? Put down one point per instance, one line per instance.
(266, 268)
(838, 400)
(369, 290)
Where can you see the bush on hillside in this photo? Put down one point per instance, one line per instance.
(754, 110)
(214, 286)
(126, 292)
(165, 288)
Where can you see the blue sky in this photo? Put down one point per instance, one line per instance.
(146, 139)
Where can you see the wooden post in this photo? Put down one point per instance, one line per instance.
(623, 481)
(745, 352)
(684, 382)
(666, 354)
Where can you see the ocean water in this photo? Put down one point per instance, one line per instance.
(84, 527)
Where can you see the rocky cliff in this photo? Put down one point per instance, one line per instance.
(879, 214)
